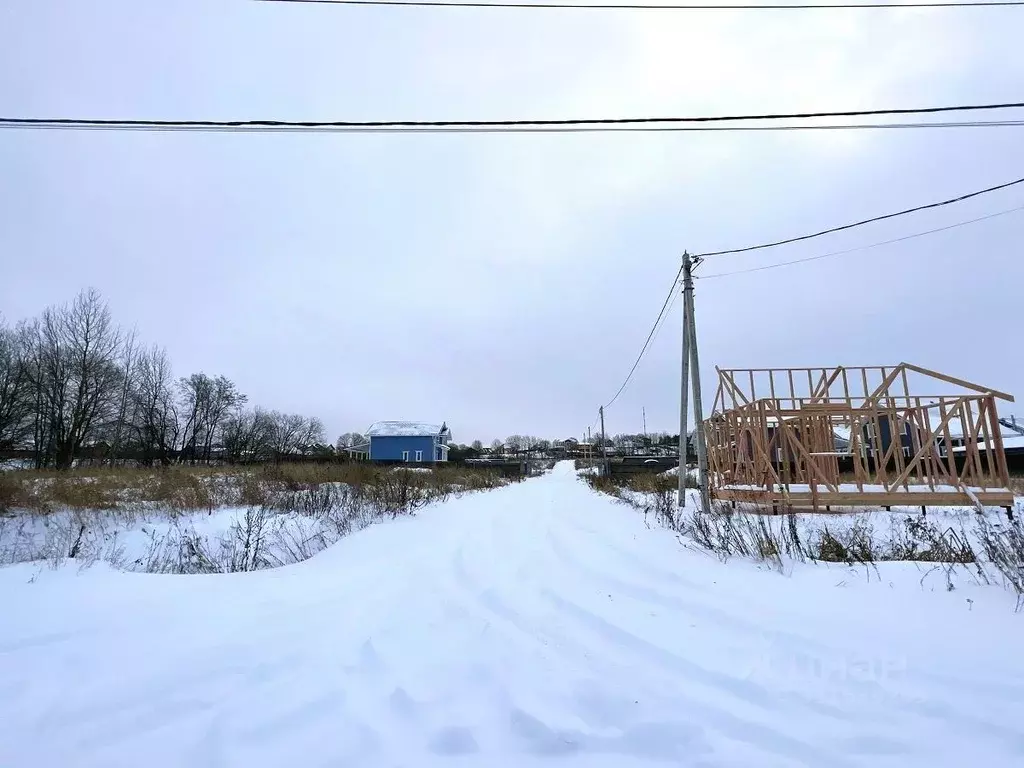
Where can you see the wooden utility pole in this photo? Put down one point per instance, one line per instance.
(604, 443)
(691, 366)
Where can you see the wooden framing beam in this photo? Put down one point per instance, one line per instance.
(958, 382)
(802, 451)
(822, 391)
(921, 451)
(765, 498)
(726, 377)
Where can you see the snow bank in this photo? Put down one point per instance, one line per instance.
(222, 540)
(540, 624)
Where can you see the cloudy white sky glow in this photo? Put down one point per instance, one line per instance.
(505, 283)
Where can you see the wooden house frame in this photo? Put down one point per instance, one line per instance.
(771, 439)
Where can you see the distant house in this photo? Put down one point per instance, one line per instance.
(410, 441)
(360, 451)
(905, 431)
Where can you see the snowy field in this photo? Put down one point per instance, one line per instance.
(537, 624)
(157, 541)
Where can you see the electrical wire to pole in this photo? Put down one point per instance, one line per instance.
(647, 342)
(654, 7)
(904, 212)
(573, 123)
(763, 267)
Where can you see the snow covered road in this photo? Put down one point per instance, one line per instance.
(536, 624)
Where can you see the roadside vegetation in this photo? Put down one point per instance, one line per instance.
(986, 548)
(210, 519)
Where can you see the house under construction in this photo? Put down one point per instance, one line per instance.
(824, 437)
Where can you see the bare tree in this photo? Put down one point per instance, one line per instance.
(71, 378)
(348, 439)
(247, 435)
(206, 404)
(76, 372)
(292, 433)
(15, 386)
(477, 445)
(155, 416)
(122, 421)
(285, 433)
(312, 436)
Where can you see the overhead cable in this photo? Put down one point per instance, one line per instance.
(873, 219)
(862, 247)
(664, 307)
(655, 7)
(116, 123)
(517, 129)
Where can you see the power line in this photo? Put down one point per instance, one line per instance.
(27, 122)
(928, 206)
(862, 247)
(652, 7)
(664, 307)
(14, 124)
(661, 325)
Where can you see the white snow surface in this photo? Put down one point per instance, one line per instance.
(403, 429)
(1009, 441)
(538, 624)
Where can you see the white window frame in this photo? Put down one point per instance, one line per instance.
(419, 456)
(405, 455)
(906, 451)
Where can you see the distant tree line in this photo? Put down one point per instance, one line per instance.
(73, 382)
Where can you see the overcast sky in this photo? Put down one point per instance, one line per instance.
(505, 283)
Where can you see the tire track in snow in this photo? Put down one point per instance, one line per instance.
(708, 713)
(932, 711)
(720, 619)
(736, 728)
(744, 689)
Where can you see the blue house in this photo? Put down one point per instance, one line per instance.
(410, 441)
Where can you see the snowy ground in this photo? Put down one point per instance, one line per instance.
(157, 541)
(537, 624)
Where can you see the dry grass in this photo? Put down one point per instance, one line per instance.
(1017, 485)
(182, 488)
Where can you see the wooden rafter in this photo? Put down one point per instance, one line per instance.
(958, 382)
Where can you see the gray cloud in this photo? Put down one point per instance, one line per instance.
(504, 283)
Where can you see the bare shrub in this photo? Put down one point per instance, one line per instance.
(1003, 545)
(246, 544)
(12, 492)
(604, 485)
(183, 491)
(319, 501)
(251, 490)
(853, 546)
(80, 491)
(297, 542)
(194, 556)
(659, 494)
